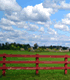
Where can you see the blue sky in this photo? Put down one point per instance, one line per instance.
(45, 22)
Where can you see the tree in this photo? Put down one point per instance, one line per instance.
(18, 48)
(2, 45)
(28, 46)
(51, 47)
(13, 47)
(6, 45)
(35, 46)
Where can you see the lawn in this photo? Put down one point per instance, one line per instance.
(30, 74)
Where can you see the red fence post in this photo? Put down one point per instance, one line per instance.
(37, 59)
(65, 65)
(4, 59)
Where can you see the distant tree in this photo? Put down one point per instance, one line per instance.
(35, 46)
(18, 48)
(14, 44)
(51, 47)
(28, 46)
(6, 46)
(2, 45)
(58, 47)
(64, 48)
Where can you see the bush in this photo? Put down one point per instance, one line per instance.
(45, 50)
(39, 49)
(17, 48)
(29, 49)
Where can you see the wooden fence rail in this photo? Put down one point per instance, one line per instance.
(4, 55)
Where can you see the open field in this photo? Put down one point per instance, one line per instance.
(30, 74)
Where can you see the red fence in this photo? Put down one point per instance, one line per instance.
(37, 62)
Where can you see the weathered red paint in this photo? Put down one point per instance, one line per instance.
(4, 65)
(35, 62)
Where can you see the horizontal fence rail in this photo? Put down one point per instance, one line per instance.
(65, 62)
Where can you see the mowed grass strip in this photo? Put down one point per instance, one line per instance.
(30, 74)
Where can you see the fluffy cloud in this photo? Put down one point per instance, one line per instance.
(54, 4)
(48, 23)
(14, 16)
(61, 27)
(30, 13)
(21, 24)
(42, 29)
(66, 21)
(51, 31)
(68, 16)
(6, 28)
(37, 15)
(9, 5)
(39, 22)
(32, 27)
(6, 22)
(21, 36)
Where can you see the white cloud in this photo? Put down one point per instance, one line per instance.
(6, 22)
(9, 5)
(17, 16)
(13, 17)
(6, 28)
(30, 13)
(51, 31)
(66, 21)
(21, 24)
(32, 27)
(54, 4)
(41, 23)
(61, 27)
(68, 15)
(52, 38)
(10, 40)
(48, 23)
(64, 5)
(49, 4)
(42, 29)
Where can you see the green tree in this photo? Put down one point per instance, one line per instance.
(18, 48)
(35, 46)
(51, 47)
(2, 45)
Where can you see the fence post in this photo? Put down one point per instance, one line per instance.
(4, 65)
(37, 59)
(65, 65)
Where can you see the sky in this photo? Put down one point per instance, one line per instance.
(45, 22)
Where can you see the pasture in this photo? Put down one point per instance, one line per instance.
(30, 74)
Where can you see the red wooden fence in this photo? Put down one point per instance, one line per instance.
(37, 62)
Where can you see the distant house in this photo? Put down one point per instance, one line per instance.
(69, 49)
(64, 50)
(60, 49)
(32, 49)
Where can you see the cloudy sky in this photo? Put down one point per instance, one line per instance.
(45, 22)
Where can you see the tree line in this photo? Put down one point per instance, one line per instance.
(17, 46)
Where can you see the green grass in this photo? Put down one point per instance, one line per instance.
(30, 74)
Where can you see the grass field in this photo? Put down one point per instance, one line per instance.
(30, 74)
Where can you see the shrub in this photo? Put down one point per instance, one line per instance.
(29, 49)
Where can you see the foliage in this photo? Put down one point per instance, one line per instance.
(35, 46)
(17, 46)
(29, 49)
